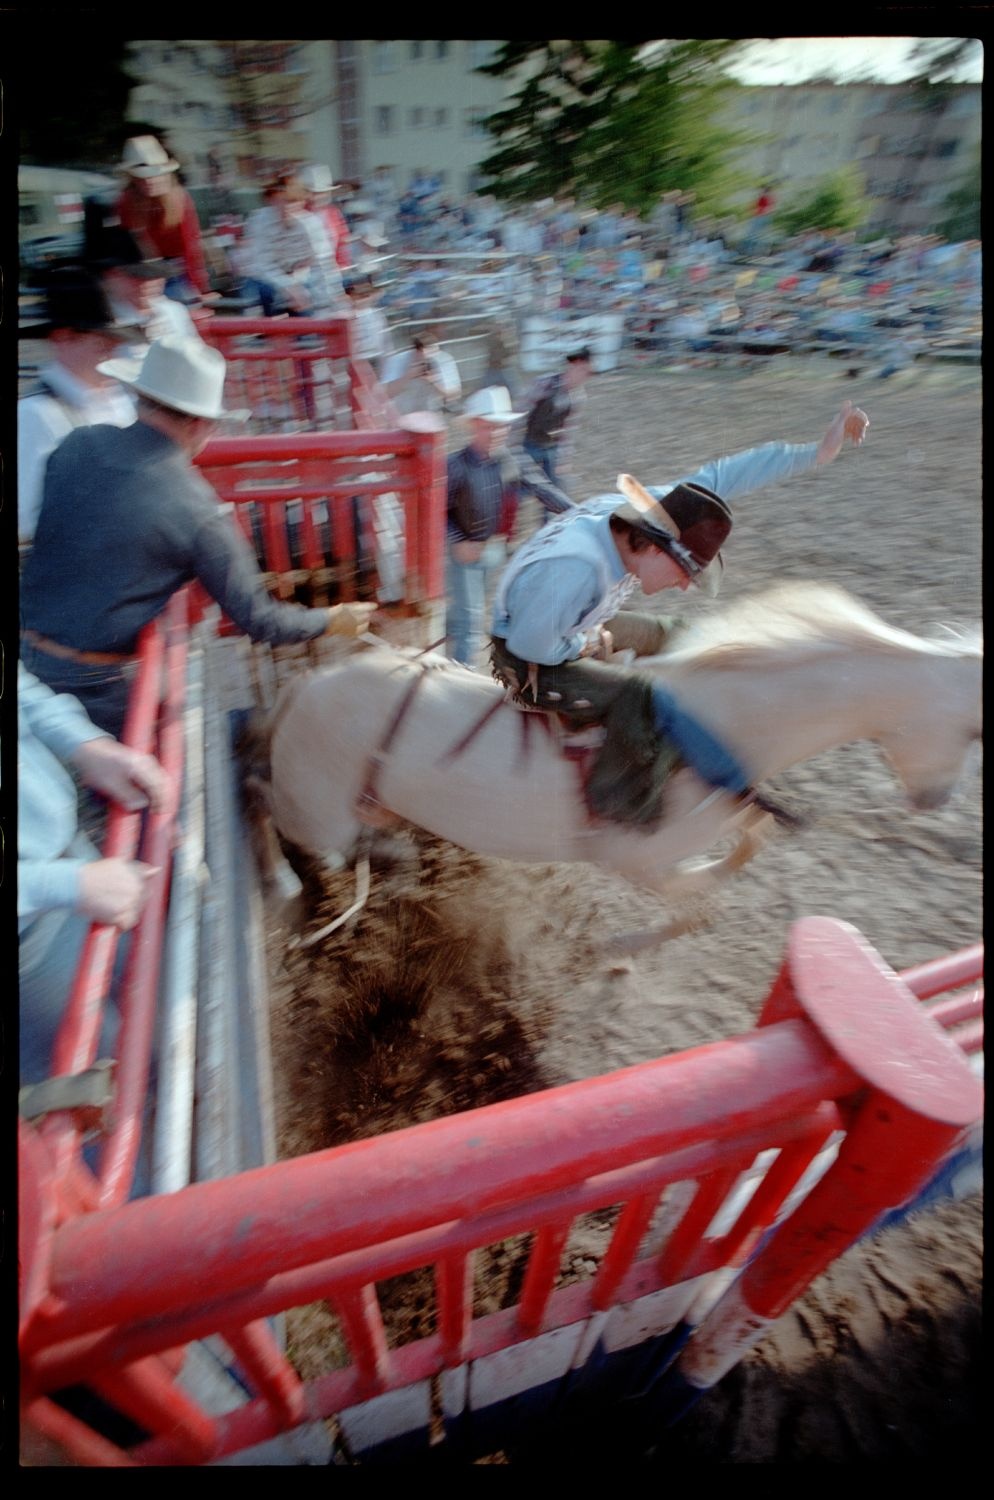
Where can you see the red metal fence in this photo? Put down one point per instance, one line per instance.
(843, 1048)
(291, 374)
(154, 723)
(308, 503)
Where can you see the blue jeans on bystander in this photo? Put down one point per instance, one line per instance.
(545, 458)
(466, 588)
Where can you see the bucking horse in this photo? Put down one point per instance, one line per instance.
(390, 736)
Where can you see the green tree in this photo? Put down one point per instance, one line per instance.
(941, 58)
(611, 121)
(837, 202)
(962, 207)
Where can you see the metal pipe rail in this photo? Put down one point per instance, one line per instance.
(322, 474)
(153, 723)
(842, 1046)
(287, 371)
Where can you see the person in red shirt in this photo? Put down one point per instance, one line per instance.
(156, 208)
(318, 186)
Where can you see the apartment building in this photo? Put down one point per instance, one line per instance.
(403, 107)
(261, 106)
(909, 147)
(422, 106)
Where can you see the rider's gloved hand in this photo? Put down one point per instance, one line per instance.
(349, 619)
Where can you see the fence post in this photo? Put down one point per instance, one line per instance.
(920, 1098)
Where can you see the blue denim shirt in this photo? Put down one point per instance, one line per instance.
(539, 611)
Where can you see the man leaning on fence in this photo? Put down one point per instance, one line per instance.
(422, 378)
(63, 885)
(126, 520)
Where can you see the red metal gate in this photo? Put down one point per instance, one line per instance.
(291, 374)
(304, 502)
(843, 1050)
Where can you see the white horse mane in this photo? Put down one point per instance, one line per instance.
(798, 617)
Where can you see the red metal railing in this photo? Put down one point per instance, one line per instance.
(153, 723)
(842, 1044)
(322, 476)
(287, 372)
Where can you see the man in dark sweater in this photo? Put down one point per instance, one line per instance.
(551, 403)
(484, 481)
(126, 520)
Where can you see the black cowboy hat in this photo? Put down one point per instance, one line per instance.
(74, 299)
(110, 247)
(689, 522)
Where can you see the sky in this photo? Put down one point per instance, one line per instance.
(792, 59)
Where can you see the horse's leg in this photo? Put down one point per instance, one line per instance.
(699, 879)
(275, 872)
(703, 876)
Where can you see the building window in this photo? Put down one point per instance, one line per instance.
(963, 105)
(417, 48)
(441, 49)
(384, 119)
(441, 117)
(947, 148)
(415, 117)
(384, 57)
(473, 122)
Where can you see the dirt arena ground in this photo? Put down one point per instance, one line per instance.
(477, 980)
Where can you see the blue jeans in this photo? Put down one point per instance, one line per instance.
(103, 691)
(466, 587)
(545, 458)
(47, 959)
(182, 289)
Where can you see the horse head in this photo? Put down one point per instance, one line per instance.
(804, 666)
(928, 752)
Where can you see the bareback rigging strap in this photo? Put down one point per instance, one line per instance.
(368, 805)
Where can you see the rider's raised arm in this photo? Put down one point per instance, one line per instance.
(741, 473)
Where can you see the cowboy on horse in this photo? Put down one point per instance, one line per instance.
(558, 608)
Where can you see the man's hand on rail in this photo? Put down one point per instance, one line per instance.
(114, 891)
(350, 619)
(125, 775)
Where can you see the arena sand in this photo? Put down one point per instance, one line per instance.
(469, 980)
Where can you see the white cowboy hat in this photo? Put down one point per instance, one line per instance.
(144, 156)
(317, 178)
(180, 372)
(492, 404)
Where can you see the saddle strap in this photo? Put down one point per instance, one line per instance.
(368, 802)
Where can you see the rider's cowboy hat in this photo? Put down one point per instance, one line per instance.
(144, 156)
(688, 521)
(492, 404)
(179, 372)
